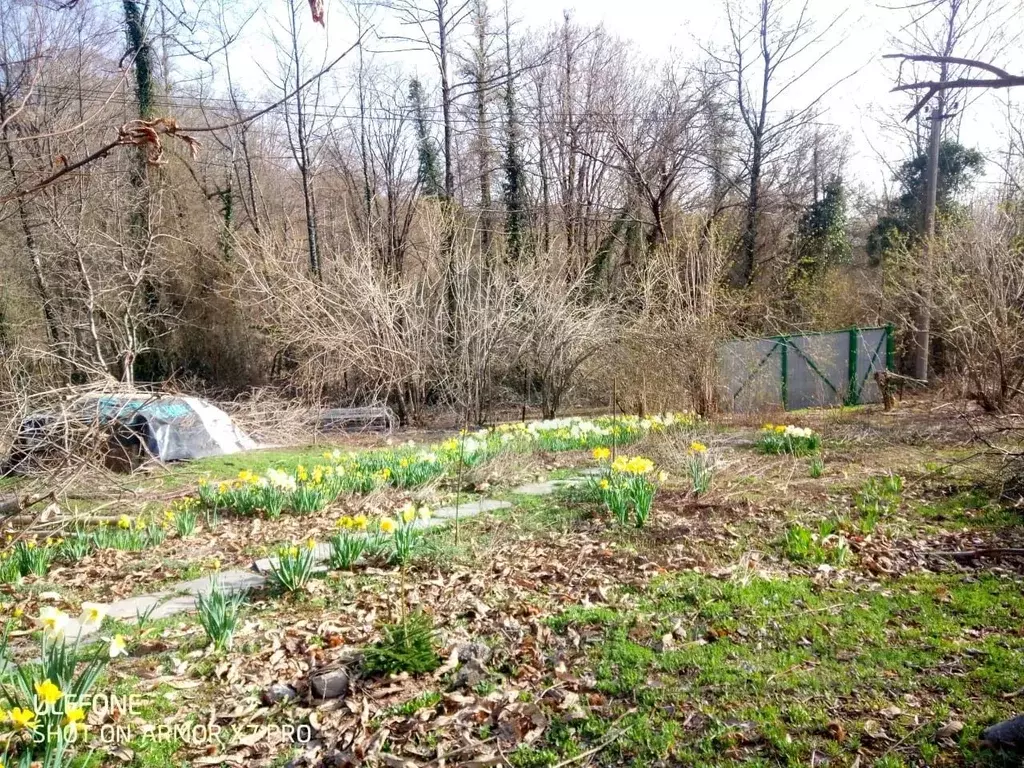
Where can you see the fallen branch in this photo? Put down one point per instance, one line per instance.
(20, 504)
(974, 554)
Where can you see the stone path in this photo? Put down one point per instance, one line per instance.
(181, 597)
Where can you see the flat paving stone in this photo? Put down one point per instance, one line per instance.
(546, 488)
(182, 597)
(471, 508)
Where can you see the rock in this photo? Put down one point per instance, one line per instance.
(1009, 732)
(470, 674)
(278, 692)
(329, 685)
(473, 651)
(949, 730)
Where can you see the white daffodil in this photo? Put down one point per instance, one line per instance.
(118, 647)
(92, 615)
(53, 621)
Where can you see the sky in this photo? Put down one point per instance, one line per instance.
(859, 105)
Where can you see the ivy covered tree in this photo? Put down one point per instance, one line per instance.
(429, 173)
(514, 185)
(902, 222)
(822, 238)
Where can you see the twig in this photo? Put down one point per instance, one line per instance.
(458, 751)
(612, 736)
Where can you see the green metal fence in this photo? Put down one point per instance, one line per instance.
(804, 370)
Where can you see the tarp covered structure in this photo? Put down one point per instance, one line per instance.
(137, 426)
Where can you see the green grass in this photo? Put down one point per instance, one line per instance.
(764, 667)
(973, 508)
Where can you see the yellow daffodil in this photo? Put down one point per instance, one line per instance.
(124, 522)
(22, 719)
(409, 514)
(602, 454)
(360, 522)
(638, 465)
(301, 474)
(293, 551)
(75, 717)
(47, 692)
(619, 465)
(19, 612)
(310, 543)
(386, 473)
(344, 522)
(223, 488)
(603, 484)
(697, 447)
(203, 482)
(387, 525)
(92, 615)
(118, 647)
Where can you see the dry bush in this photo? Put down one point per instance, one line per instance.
(666, 354)
(562, 331)
(977, 288)
(357, 330)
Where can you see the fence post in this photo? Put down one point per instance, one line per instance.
(853, 395)
(890, 347)
(784, 341)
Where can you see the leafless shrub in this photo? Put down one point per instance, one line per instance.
(562, 331)
(977, 280)
(666, 356)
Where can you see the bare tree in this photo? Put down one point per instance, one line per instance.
(773, 46)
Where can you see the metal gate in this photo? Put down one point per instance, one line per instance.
(804, 370)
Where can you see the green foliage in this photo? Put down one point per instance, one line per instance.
(128, 536)
(640, 493)
(900, 226)
(74, 548)
(406, 647)
(62, 669)
(701, 470)
(817, 467)
(796, 441)
(822, 239)
(878, 498)
(185, 521)
(294, 566)
(514, 189)
(406, 539)
(346, 548)
(218, 614)
(309, 499)
(9, 570)
(801, 545)
(32, 559)
(428, 174)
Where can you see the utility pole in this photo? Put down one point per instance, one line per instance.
(923, 319)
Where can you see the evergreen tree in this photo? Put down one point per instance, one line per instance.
(514, 186)
(822, 239)
(958, 168)
(429, 174)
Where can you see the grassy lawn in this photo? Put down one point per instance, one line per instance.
(789, 671)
